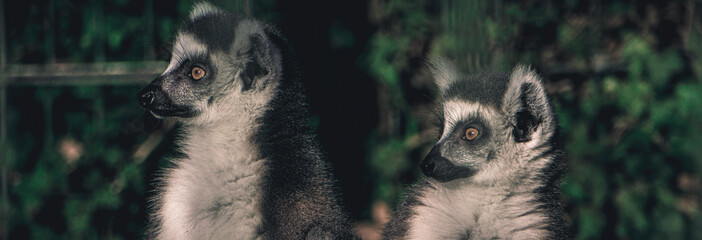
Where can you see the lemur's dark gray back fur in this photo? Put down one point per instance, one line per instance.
(301, 195)
(251, 166)
(495, 171)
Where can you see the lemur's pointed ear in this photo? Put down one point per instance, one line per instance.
(258, 65)
(526, 102)
(203, 9)
(444, 73)
(255, 53)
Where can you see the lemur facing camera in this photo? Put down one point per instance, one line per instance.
(251, 166)
(495, 171)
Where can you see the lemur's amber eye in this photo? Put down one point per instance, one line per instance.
(197, 73)
(472, 133)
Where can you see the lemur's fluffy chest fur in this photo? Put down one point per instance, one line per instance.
(215, 191)
(475, 212)
(217, 186)
(219, 190)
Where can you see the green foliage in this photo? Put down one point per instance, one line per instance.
(407, 24)
(103, 183)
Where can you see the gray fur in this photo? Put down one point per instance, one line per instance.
(508, 178)
(251, 165)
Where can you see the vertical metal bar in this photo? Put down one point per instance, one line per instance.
(48, 106)
(50, 32)
(3, 58)
(149, 53)
(445, 15)
(4, 206)
(98, 28)
(247, 7)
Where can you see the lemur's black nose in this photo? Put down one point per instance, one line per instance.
(146, 97)
(427, 167)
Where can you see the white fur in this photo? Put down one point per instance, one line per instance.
(186, 45)
(222, 169)
(450, 210)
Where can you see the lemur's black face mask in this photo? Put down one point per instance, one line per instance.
(157, 101)
(437, 167)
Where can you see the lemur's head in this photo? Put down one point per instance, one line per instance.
(494, 127)
(221, 64)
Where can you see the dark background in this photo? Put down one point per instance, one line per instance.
(79, 159)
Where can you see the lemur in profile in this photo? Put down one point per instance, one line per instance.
(495, 171)
(251, 166)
